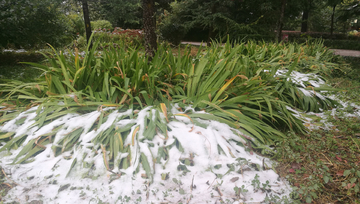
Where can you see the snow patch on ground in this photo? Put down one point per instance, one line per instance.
(201, 173)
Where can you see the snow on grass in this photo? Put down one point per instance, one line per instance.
(203, 163)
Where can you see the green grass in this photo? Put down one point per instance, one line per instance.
(323, 165)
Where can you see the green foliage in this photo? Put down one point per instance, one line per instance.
(101, 24)
(218, 80)
(215, 16)
(27, 23)
(122, 13)
(343, 44)
(323, 164)
(76, 24)
(117, 38)
(13, 58)
(171, 28)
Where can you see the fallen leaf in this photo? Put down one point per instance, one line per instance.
(338, 158)
(234, 179)
(340, 173)
(350, 185)
(291, 170)
(296, 165)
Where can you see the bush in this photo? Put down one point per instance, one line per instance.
(101, 24)
(40, 23)
(295, 35)
(172, 30)
(116, 38)
(342, 44)
(12, 58)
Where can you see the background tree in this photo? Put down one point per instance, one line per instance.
(307, 6)
(122, 13)
(86, 20)
(333, 4)
(29, 23)
(149, 27)
(280, 23)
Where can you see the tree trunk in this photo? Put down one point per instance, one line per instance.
(211, 35)
(304, 23)
(332, 22)
(87, 20)
(149, 23)
(280, 23)
(305, 16)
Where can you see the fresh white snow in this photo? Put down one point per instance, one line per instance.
(211, 176)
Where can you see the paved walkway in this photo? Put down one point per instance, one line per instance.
(341, 52)
(349, 53)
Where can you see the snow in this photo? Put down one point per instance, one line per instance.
(209, 176)
(200, 164)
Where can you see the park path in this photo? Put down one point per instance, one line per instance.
(341, 52)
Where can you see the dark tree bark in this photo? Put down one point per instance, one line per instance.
(332, 21)
(305, 16)
(281, 21)
(304, 23)
(149, 23)
(211, 35)
(87, 20)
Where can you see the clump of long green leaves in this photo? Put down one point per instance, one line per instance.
(237, 85)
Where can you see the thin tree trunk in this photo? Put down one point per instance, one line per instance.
(281, 20)
(304, 23)
(332, 22)
(305, 17)
(211, 28)
(87, 20)
(149, 23)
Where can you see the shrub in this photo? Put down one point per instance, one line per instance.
(12, 58)
(171, 29)
(342, 44)
(118, 37)
(101, 24)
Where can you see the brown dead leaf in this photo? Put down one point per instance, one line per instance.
(234, 179)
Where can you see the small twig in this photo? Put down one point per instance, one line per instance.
(7, 185)
(212, 182)
(327, 159)
(8, 177)
(218, 190)
(192, 184)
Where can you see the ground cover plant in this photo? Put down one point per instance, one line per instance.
(324, 163)
(133, 109)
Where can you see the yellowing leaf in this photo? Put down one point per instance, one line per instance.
(182, 114)
(134, 134)
(164, 110)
